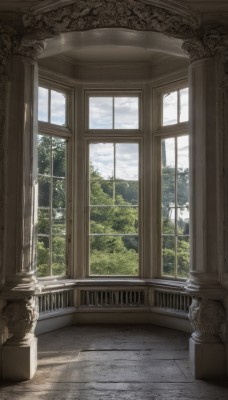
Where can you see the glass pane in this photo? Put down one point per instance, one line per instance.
(183, 221)
(126, 113)
(168, 191)
(101, 220)
(183, 190)
(184, 105)
(127, 191)
(182, 153)
(168, 155)
(100, 112)
(168, 255)
(59, 255)
(58, 108)
(59, 222)
(59, 193)
(43, 221)
(101, 193)
(44, 155)
(170, 108)
(42, 104)
(43, 256)
(59, 157)
(101, 157)
(168, 221)
(127, 161)
(114, 255)
(113, 220)
(183, 257)
(44, 191)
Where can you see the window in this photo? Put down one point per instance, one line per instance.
(52, 106)
(113, 218)
(174, 196)
(175, 206)
(175, 107)
(130, 205)
(114, 208)
(113, 112)
(53, 155)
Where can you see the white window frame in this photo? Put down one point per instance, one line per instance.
(113, 136)
(164, 132)
(64, 132)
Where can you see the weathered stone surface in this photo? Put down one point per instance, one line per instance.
(120, 362)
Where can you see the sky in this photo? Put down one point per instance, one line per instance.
(126, 160)
(58, 106)
(170, 109)
(125, 116)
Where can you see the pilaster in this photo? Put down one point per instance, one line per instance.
(19, 258)
(207, 312)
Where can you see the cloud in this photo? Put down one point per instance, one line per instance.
(43, 104)
(126, 112)
(126, 160)
(58, 106)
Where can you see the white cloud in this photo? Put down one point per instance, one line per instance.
(43, 104)
(126, 114)
(58, 108)
(170, 108)
(126, 160)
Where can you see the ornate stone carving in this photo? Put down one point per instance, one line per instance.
(28, 47)
(20, 317)
(206, 44)
(6, 33)
(206, 317)
(131, 14)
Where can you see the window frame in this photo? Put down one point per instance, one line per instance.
(64, 132)
(164, 132)
(98, 139)
(124, 92)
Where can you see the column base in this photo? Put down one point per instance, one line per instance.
(19, 363)
(207, 360)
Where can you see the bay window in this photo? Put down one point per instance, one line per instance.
(113, 167)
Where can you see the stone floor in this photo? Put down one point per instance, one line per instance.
(114, 362)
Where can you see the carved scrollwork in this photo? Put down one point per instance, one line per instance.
(206, 44)
(6, 34)
(206, 317)
(20, 317)
(28, 47)
(93, 14)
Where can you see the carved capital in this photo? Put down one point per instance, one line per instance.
(206, 317)
(20, 317)
(207, 44)
(6, 34)
(28, 47)
(92, 14)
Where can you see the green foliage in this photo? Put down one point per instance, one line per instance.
(113, 219)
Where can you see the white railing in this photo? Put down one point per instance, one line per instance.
(55, 300)
(172, 300)
(112, 298)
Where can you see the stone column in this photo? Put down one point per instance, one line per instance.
(19, 353)
(207, 313)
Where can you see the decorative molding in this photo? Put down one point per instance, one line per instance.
(206, 317)
(28, 47)
(6, 34)
(207, 44)
(93, 14)
(20, 317)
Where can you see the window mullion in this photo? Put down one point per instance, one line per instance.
(176, 208)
